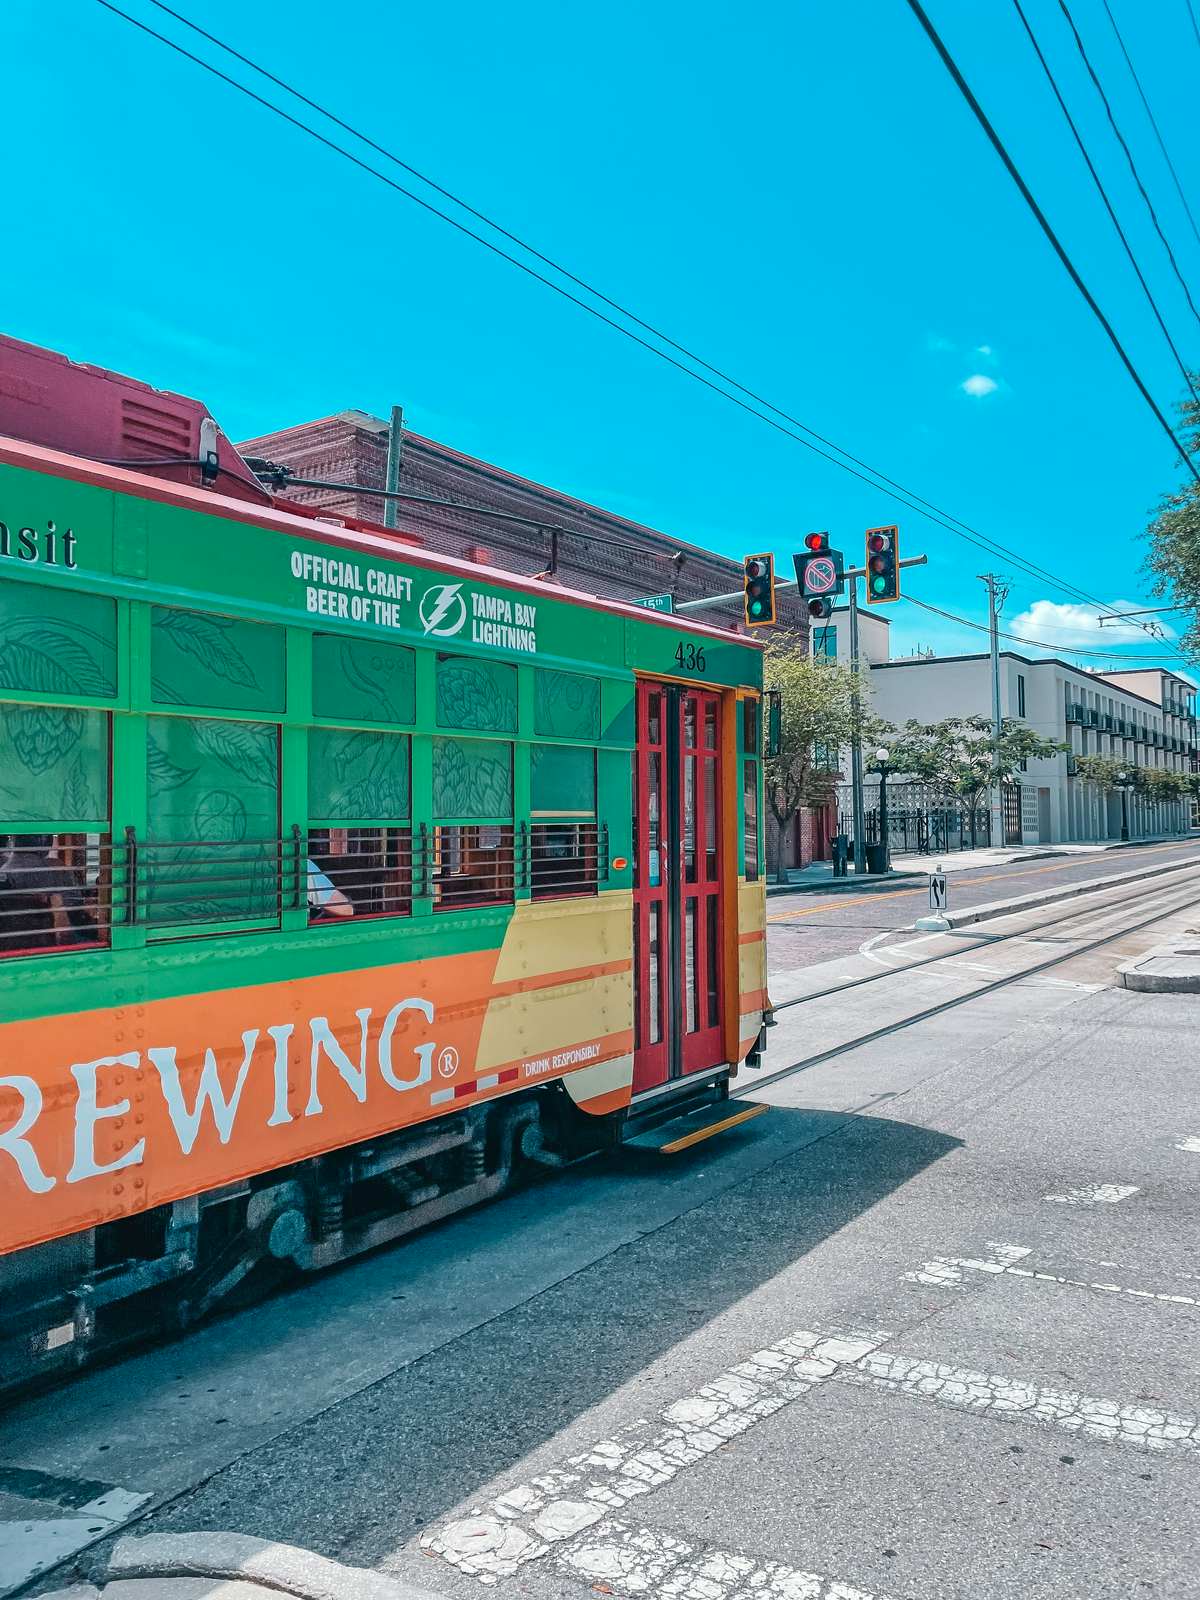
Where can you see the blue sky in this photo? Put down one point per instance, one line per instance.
(794, 190)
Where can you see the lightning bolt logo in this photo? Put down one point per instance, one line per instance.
(443, 609)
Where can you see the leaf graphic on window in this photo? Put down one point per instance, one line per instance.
(78, 802)
(205, 638)
(42, 735)
(164, 774)
(248, 748)
(472, 696)
(356, 750)
(381, 673)
(470, 783)
(566, 706)
(36, 653)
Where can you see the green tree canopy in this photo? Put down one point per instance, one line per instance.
(1175, 539)
(1155, 783)
(821, 703)
(956, 755)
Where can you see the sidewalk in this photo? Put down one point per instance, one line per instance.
(818, 877)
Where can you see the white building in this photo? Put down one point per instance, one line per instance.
(1147, 718)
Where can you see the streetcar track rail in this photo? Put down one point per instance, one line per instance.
(979, 992)
(980, 941)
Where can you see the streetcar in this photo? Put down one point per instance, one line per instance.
(339, 880)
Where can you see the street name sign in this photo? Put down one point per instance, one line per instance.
(655, 602)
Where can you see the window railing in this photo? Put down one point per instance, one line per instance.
(561, 858)
(61, 892)
(1074, 712)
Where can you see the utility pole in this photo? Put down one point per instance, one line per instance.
(391, 508)
(997, 594)
(856, 767)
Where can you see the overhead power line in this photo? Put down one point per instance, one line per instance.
(1120, 137)
(1195, 25)
(1108, 206)
(1041, 644)
(779, 420)
(1153, 120)
(876, 478)
(1001, 150)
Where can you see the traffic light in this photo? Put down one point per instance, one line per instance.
(883, 565)
(758, 586)
(819, 574)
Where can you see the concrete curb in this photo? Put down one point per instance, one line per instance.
(1062, 891)
(1135, 976)
(865, 885)
(243, 1562)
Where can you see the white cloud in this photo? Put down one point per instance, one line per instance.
(984, 350)
(1068, 626)
(979, 384)
(939, 344)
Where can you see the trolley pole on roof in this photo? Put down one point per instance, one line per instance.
(391, 508)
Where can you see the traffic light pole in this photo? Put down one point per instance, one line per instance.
(852, 575)
(856, 769)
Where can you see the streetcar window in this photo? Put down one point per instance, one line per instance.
(55, 892)
(359, 861)
(750, 727)
(750, 818)
(564, 839)
(473, 840)
(55, 884)
(213, 853)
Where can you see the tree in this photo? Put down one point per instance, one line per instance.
(818, 702)
(1175, 539)
(1153, 783)
(956, 755)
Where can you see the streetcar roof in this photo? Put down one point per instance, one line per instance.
(345, 533)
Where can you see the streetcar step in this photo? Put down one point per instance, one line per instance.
(668, 1138)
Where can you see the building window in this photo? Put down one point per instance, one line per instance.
(1020, 694)
(825, 641)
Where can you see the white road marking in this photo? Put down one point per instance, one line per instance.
(1192, 1143)
(983, 1392)
(525, 1523)
(636, 1561)
(946, 1272)
(1094, 1194)
(31, 1544)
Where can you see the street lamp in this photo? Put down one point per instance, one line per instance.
(881, 761)
(1123, 785)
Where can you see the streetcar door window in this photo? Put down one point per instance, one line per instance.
(677, 886)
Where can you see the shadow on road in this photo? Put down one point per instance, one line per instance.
(361, 1480)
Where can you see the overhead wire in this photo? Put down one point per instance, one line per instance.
(875, 480)
(1153, 120)
(1041, 644)
(1056, 243)
(1108, 205)
(1120, 137)
(1195, 24)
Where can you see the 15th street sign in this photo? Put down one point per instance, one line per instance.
(655, 602)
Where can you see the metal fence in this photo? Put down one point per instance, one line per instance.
(924, 821)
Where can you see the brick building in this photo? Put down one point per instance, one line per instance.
(597, 551)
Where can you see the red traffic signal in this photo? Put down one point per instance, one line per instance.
(822, 608)
(816, 542)
(883, 565)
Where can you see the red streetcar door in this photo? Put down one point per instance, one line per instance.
(677, 887)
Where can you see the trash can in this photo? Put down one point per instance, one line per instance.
(840, 846)
(876, 858)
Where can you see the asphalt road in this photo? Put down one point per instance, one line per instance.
(928, 1329)
(807, 927)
